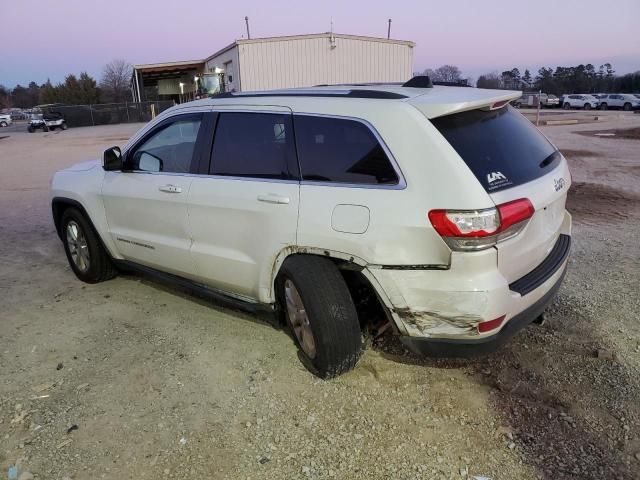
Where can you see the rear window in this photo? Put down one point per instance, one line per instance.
(341, 151)
(501, 147)
(258, 145)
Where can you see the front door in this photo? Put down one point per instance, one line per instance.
(245, 211)
(146, 203)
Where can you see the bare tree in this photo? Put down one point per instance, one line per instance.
(116, 76)
(445, 73)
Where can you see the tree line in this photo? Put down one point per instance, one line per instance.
(577, 79)
(74, 90)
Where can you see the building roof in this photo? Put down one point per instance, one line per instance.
(285, 38)
(166, 66)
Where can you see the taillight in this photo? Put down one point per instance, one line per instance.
(480, 229)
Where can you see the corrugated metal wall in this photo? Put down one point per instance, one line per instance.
(306, 62)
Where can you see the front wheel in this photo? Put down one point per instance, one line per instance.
(64, 126)
(603, 106)
(86, 255)
(627, 107)
(30, 129)
(566, 106)
(45, 129)
(320, 312)
(3, 124)
(587, 106)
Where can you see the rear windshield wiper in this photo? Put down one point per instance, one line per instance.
(550, 159)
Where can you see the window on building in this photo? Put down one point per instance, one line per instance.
(341, 150)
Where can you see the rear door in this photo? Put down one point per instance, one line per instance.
(243, 208)
(513, 160)
(146, 204)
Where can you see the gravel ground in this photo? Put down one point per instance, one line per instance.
(130, 379)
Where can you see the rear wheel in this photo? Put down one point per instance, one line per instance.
(626, 107)
(566, 105)
(30, 129)
(64, 126)
(320, 312)
(45, 129)
(587, 106)
(3, 124)
(86, 255)
(603, 106)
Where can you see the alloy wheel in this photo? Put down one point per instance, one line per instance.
(78, 246)
(299, 319)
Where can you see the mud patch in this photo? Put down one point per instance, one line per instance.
(578, 153)
(627, 133)
(592, 203)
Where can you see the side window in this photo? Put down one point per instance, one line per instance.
(258, 145)
(341, 150)
(169, 149)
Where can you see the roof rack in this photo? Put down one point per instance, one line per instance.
(357, 93)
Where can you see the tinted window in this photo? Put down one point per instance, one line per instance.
(501, 147)
(170, 149)
(254, 145)
(340, 150)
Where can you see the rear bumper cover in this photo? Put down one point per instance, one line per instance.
(468, 347)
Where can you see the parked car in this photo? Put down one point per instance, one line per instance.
(624, 101)
(46, 121)
(5, 119)
(438, 209)
(531, 100)
(586, 102)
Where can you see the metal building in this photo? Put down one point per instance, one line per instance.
(278, 62)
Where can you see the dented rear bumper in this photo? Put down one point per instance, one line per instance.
(438, 312)
(436, 347)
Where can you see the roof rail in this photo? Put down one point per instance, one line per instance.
(357, 93)
(419, 81)
(461, 83)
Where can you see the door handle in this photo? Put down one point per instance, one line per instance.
(272, 198)
(170, 189)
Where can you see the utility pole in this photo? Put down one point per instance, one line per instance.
(246, 21)
(389, 30)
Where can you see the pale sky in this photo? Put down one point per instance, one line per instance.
(45, 38)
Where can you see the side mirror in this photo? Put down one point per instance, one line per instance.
(112, 159)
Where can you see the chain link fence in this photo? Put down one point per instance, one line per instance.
(110, 113)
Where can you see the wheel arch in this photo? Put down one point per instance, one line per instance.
(372, 303)
(60, 204)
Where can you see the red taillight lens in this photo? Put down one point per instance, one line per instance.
(490, 324)
(514, 212)
(479, 229)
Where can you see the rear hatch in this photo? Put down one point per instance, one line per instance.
(513, 160)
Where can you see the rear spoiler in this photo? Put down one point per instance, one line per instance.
(448, 100)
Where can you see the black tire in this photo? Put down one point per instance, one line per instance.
(64, 126)
(603, 106)
(330, 311)
(45, 129)
(100, 267)
(566, 106)
(587, 106)
(3, 124)
(30, 129)
(626, 107)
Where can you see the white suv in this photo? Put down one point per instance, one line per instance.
(586, 102)
(439, 209)
(624, 101)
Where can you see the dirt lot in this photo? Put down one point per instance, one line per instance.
(129, 379)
